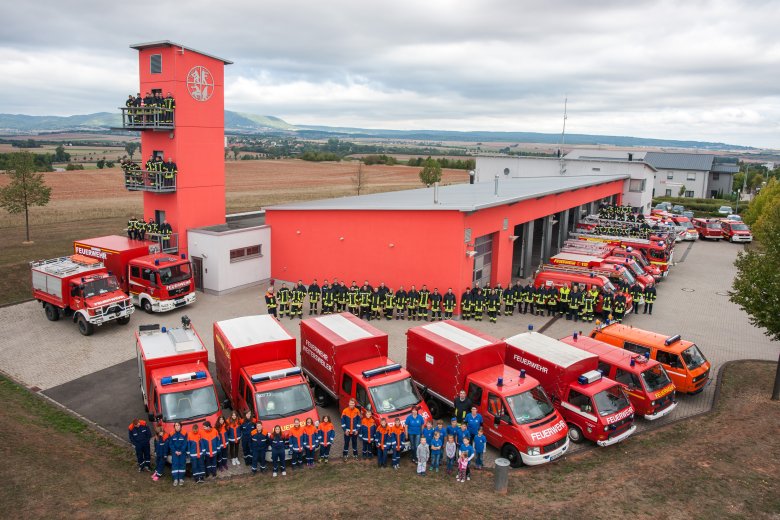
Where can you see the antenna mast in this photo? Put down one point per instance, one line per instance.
(563, 137)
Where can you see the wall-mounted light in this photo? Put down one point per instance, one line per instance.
(298, 232)
(391, 245)
(341, 238)
(512, 238)
(471, 254)
(170, 135)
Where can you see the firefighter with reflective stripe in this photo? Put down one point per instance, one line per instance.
(325, 436)
(283, 298)
(509, 300)
(588, 304)
(389, 304)
(270, 301)
(400, 439)
(619, 306)
(327, 297)
(364, 299)
(367, 431)
(169, 105)
(448, 302)
(310, 441)
(165, 234)
(209, 445)
(297, 295)
(195, 451)
(479, 305)
(606, 304)
(159, 170)
(436, 299)
(575, 302)
(552, 300)
(564, 297)
(132, 223)
(177, 447)
(493, 304)
(385, 441)
(350, 423)
(423, 303)
(412, 299)
(314, 297)
(296, 442)
(139, 434)
(400, 303)
(247, 425)
(342, 300)
(169, 171)
(160, 452)
(376, 304)
(258, 441)
(527, 292)
(353, 299)
(650, 295)
(466, 305)
(540, 297)
(151, 227)
(636, 292)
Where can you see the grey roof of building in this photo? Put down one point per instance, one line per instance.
(457, 197)
(680, 161)
(169, 43)
(236, 222)
(725, 168)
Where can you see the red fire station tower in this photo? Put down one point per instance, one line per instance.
(192, 136)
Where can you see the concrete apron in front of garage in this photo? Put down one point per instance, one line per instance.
(97, 376)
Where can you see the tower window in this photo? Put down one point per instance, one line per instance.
(156, 63)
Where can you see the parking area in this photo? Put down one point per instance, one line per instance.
(97, 376)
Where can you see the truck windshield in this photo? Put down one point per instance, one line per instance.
(399, 395)
(629, 276)
(610, 401)
(655, 378)
(739, 227)
(636, 268)
(189, 404)
(530, 406)
(713, 225)
(693, 357)
(640, 260)
(283, 402)
(100, 286)
(686, 224)
(609, 287)
(175, 273)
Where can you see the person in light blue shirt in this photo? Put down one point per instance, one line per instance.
(480, 442)
(414, 426)
(473, 422)
(437, 446)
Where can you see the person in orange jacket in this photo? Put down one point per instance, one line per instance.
(384, 438)
(234, 438)
(139, 434)
(400, 437)
(310, 441)
(221, 428)
(195, 452)
(296, 441)
(210, 445)
(350, 423)
(326, 434)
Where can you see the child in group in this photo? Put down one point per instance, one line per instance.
(221, 428)
(441, 429)
(311, 440)
(468, 449)
(295, 440)
(139, 434)
(210, 446)
(326, 436)
(384, 438)
(233, 438)
(427, 432)
(247, 425)
(400, 438)
(463, 433)
(436, 446)
(366, 431)
(196, 454)
(423, 454)
(278, 444)
(450, 451)
(160, 452)
(258, 439)
(480, 441)
(463, 466)
(453, 428)
(177, 447)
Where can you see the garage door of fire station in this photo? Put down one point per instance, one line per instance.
(483, 246)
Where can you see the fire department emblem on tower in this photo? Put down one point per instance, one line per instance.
(200, 83)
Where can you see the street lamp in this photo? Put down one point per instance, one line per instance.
(736, 209)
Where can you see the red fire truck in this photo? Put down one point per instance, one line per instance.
(255, 359)
(630, 271)
(736, 231)
(602, 249)
(645, 381)
(595, 407)
(156, 282)
(346, 358)
(657, 252)
(519, 419)
(708, 228)
(560, 275)
(80, 288)
(173, 371)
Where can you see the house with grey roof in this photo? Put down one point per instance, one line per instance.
(699, 175)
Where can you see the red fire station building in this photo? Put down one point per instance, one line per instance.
(444, 237)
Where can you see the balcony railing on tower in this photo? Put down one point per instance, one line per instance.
(147, 118)
(145, 180)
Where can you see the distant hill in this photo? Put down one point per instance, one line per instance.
(243, 123)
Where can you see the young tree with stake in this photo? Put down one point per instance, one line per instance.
(25, 189)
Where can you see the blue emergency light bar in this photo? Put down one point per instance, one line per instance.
(672, 339)
(183, 378)
(522, 373)
(381, 370)
(156, 261)
(184, 256)
(275, 374)
(589, 377)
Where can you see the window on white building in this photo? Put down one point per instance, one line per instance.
(668, 193)
(636, 185)
(715, 176)
(689, 193)
(596, 169)
(669, 176)
(246, 253)
(691, 176)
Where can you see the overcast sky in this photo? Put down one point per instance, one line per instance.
(707, 71)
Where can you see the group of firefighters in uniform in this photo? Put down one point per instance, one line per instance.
(160, 173)
(159, 109)
(376, 302)
(137, 230)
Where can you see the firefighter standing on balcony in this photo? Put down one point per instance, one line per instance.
(169, 104)
(152, 229)
(283, 296)
(159, 169)
(131, 223)
(169, 172)
(165, 233)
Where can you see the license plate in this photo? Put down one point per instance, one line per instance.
(178, 302)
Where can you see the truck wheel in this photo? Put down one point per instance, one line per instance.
(52, 314)
(510, 453)
(575, 434)
(434, 407)
(85, 327)
(123, 321)
(146, 305)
